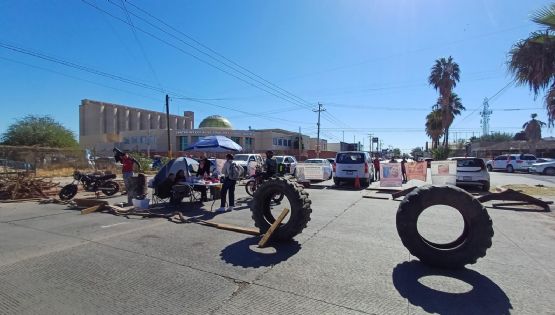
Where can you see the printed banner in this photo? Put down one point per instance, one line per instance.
(390, 175)
(417, 170)
(444, 172)
(309, 172)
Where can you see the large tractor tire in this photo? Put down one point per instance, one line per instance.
(467, 248)
(299, 213)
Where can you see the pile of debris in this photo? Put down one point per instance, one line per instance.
(26, 186)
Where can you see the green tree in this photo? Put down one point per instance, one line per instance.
(41, 131)
(454, 108)
(434, 127)
(396, 152)
(531, 60)
(495, 137)
(444, 77)
(533, 131)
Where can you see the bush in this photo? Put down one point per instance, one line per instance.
(440, 153)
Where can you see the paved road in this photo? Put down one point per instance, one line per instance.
(349, 260)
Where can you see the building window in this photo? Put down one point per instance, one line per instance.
(236, 140)
(194, 139)
(274, 141)
(183, 143)
(249, 143)
(289, 143)
(280, 142)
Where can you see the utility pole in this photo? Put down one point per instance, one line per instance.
(319, 110)
(371, 144)
(300, 142)
(168, 125)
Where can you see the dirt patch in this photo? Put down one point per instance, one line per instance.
(533, 190)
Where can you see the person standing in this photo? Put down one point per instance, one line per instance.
(203, 172)
(404, 169)
(231, 174)
(376, 163)
(127, 162)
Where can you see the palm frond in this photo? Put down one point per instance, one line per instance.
(545, 16)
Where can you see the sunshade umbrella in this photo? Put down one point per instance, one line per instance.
(215, 144)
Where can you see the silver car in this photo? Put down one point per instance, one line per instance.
(546, 168)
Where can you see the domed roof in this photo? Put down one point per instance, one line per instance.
(215, 121)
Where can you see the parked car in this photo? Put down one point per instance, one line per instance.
(289, 161)
(472, 171)
(511, 162)
(546, 168)
(331, 160)
(244, 160)
(350, 164)
(327, 167)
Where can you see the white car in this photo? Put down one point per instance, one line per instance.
(472, 171)
(352, 164)
(289, 161)
(546, 168)
(244, 160)
(326, 167)
(511, 162)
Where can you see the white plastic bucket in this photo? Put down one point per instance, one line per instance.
(141, 203)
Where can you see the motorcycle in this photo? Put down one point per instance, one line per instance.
(255, 181)
(91, 183)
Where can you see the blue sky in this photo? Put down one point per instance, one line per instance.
(366, 61)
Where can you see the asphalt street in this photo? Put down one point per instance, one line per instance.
(349, 260)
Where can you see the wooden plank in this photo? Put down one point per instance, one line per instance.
(375, 197)
(92, 209)
(272, 228)
(89, 202)
(229, 227)
(403, 192)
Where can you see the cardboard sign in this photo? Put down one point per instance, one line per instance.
(390, 175)
(444, 172)
(307, 172)
(417, 170)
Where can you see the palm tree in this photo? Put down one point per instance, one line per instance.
(444, 77)
(454, 108)
(434, 127)
(533, 131)
(531, 60)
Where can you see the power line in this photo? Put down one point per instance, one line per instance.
(195, 56)
(290, 97)
(66, 63)
(149, 64)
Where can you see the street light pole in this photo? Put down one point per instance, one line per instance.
(168, 125)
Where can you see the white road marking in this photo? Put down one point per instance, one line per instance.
(107, 226)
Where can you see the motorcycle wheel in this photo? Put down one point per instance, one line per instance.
(109, 188)
(68, 191)
(250, 187)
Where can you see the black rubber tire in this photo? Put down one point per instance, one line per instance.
(549, 171)
(249, 187)
(364, 183)
(113, 188)
(467, 248)
(510, 169)
(299, 214)
(68, 191)
(486, 186)
(337, 182)
(490, 168)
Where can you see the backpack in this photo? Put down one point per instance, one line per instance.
(235, 171)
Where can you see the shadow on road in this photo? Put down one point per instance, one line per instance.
(245, 253)
(485, 297)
